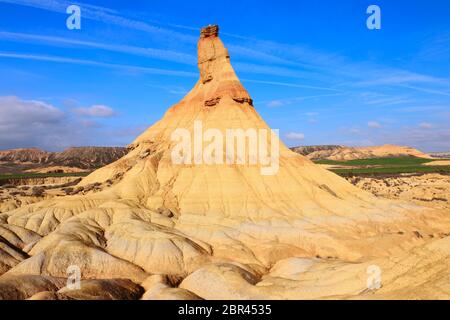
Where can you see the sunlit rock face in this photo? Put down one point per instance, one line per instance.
(204, 230)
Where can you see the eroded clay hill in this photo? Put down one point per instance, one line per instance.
(37, 160)
(342, 153)
(211, 231)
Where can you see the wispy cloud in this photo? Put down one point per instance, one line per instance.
(299, 61)
(424, 108)
(106, 15)
(271, 70)
(425, 125)
(131, 68)
(407, 80)
(436, 48)
(403, 77)
(374, 124)
(257, 55)
(295, 136)
(287, 84)
(177, 90)
(303, 60)
(289, 101)
(389, 101)
(98, 110)
(427, 90)
(275, 103)
(167, 55)
(160, 54)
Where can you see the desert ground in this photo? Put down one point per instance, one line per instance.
(142, 227)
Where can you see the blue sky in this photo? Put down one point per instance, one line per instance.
(314, 70)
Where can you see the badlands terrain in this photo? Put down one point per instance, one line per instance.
(143, 227)
(333, 152)
(70, 160)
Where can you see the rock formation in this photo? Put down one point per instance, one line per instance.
(87, 158)
(198, 230)
(342, 153)
(33, 155)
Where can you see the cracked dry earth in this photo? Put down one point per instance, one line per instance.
(155, 230)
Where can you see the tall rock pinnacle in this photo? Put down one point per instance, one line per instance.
(216, 70)
(212, 54)
(220, 102)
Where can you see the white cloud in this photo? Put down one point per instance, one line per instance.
(99, 111)
(373, 124)
(426, 140)
(425, 125)
(295, 136)
(275, 103)
(29, 123)
(32, 123)
(14, 110)
(354, 131)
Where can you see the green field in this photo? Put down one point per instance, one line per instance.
(393, 170)
(380, 166)
(399, 161)
(41, 175)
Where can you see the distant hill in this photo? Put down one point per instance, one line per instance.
(342, 153)
(306, 150)
(86, 158)
(32, 155)
(442, 155)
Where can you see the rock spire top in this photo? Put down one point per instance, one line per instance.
(210, 31)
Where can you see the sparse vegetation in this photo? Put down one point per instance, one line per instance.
(397, 161)
(393, 170)
(41, 175)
